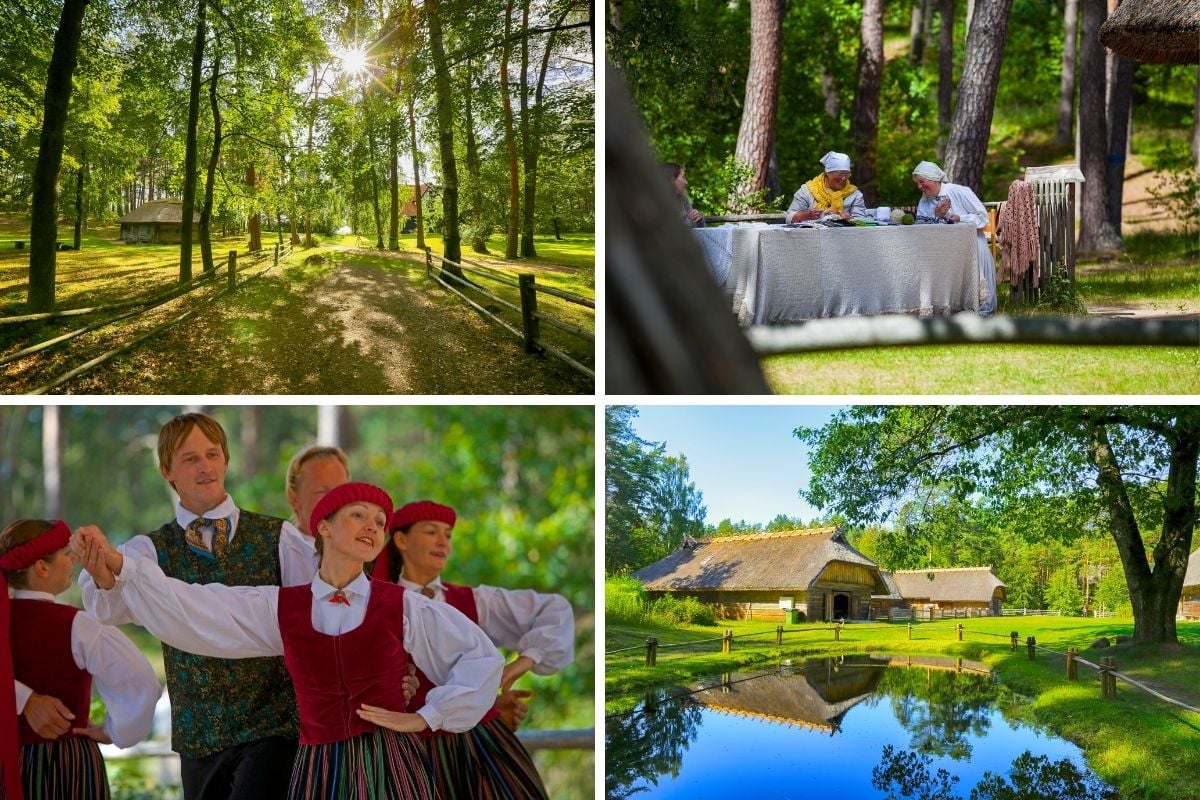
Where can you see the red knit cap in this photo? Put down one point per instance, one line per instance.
(346, 494)
(422, 509)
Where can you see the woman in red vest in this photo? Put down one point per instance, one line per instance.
(487, 761)
(346, 640)
(58, 650)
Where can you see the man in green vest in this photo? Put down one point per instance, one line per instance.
(233, 721)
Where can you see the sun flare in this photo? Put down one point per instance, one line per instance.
(353, 60)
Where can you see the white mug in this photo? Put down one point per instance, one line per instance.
(883, 214)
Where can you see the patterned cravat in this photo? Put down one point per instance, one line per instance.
(220, 539)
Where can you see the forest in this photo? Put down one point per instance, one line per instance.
(520, 478)
(1076, 509)
(747, 96)
(305, 118)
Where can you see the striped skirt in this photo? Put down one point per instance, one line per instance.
(487, 762)
(381, 765)
(69, 768)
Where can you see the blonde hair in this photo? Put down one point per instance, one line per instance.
(311, 454)
(172, 435)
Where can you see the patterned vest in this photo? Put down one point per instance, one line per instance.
(463, 599)
(335, 675)
(40, 632)
(217, 703)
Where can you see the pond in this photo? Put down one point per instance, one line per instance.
(846, 728)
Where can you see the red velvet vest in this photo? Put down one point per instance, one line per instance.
(40, 632)
(463, 599)
(335, 675)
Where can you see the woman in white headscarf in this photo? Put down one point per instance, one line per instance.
(829, 193)
(954, 203)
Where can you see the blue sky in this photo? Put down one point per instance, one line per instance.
(744, 459)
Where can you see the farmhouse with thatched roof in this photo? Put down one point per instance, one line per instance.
(760, 576)
(975, 589)
(157, 222)
(1189, 601)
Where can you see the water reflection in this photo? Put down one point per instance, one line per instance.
(938, 724)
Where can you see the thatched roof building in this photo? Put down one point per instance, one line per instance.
(1155, 31)
(157, 221)
(953, 588)
(761, 575)
(1189, 601)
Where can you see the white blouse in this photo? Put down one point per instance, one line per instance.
(540, 626)
(120, 673)
(297, 559)
(243, 622)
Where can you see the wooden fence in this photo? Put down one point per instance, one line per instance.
(531, 318)
(140, 306)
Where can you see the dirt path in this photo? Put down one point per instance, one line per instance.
(338, 323)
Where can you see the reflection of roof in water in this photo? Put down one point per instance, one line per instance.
(818, 696)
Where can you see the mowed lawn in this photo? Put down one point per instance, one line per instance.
(1149, 749)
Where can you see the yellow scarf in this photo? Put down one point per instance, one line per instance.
(826, 198)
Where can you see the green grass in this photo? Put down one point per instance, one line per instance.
(988, 369)
(1145, 747)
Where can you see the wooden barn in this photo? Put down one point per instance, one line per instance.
(973, 589)
(1189, 601)
(761, 576)
(157, 222)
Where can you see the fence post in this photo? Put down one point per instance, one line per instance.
(727, 642)
(428, 262)
(529, 320)
(651, 651)
(1014, 636)
(960, 631)
(1031, 643)
(779, 634)
(1104, 667)
(910, 631)
(233, 269)
(837, 631)
(276, 263)
(1072, 666)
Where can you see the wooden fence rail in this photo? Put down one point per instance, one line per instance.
(531, 318)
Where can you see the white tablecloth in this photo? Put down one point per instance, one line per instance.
(776, 275)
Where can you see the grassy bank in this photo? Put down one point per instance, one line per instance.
(1145, 747)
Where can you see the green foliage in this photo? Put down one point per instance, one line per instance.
(668, 610)
(625, 603)
(1063, 594)
(1112, 593)
(1178, 191)
(1058, 293)
(624, 600)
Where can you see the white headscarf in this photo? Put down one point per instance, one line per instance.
(929, 170)
(835, 162)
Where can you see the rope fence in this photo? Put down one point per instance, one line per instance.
(1106, 668)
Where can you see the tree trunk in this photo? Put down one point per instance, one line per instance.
(1153, 592)
(192, 147)
(1119, 114)
(254, 221)
(535, 146)
(971, 129)
(945, 74)
(510, 144)
(1196, 125)
(43, 223)
(1066, 89)
(451, 250)
(528, 159)
(412, 126)
(80, 215)
(864, 126)
(478, 241)
(206, 253)
(756, 134)
(1096, 234)
(374, 176)
(916, 31)
(394, 180)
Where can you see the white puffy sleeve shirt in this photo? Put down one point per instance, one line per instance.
(120, 673)
(243, 622)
